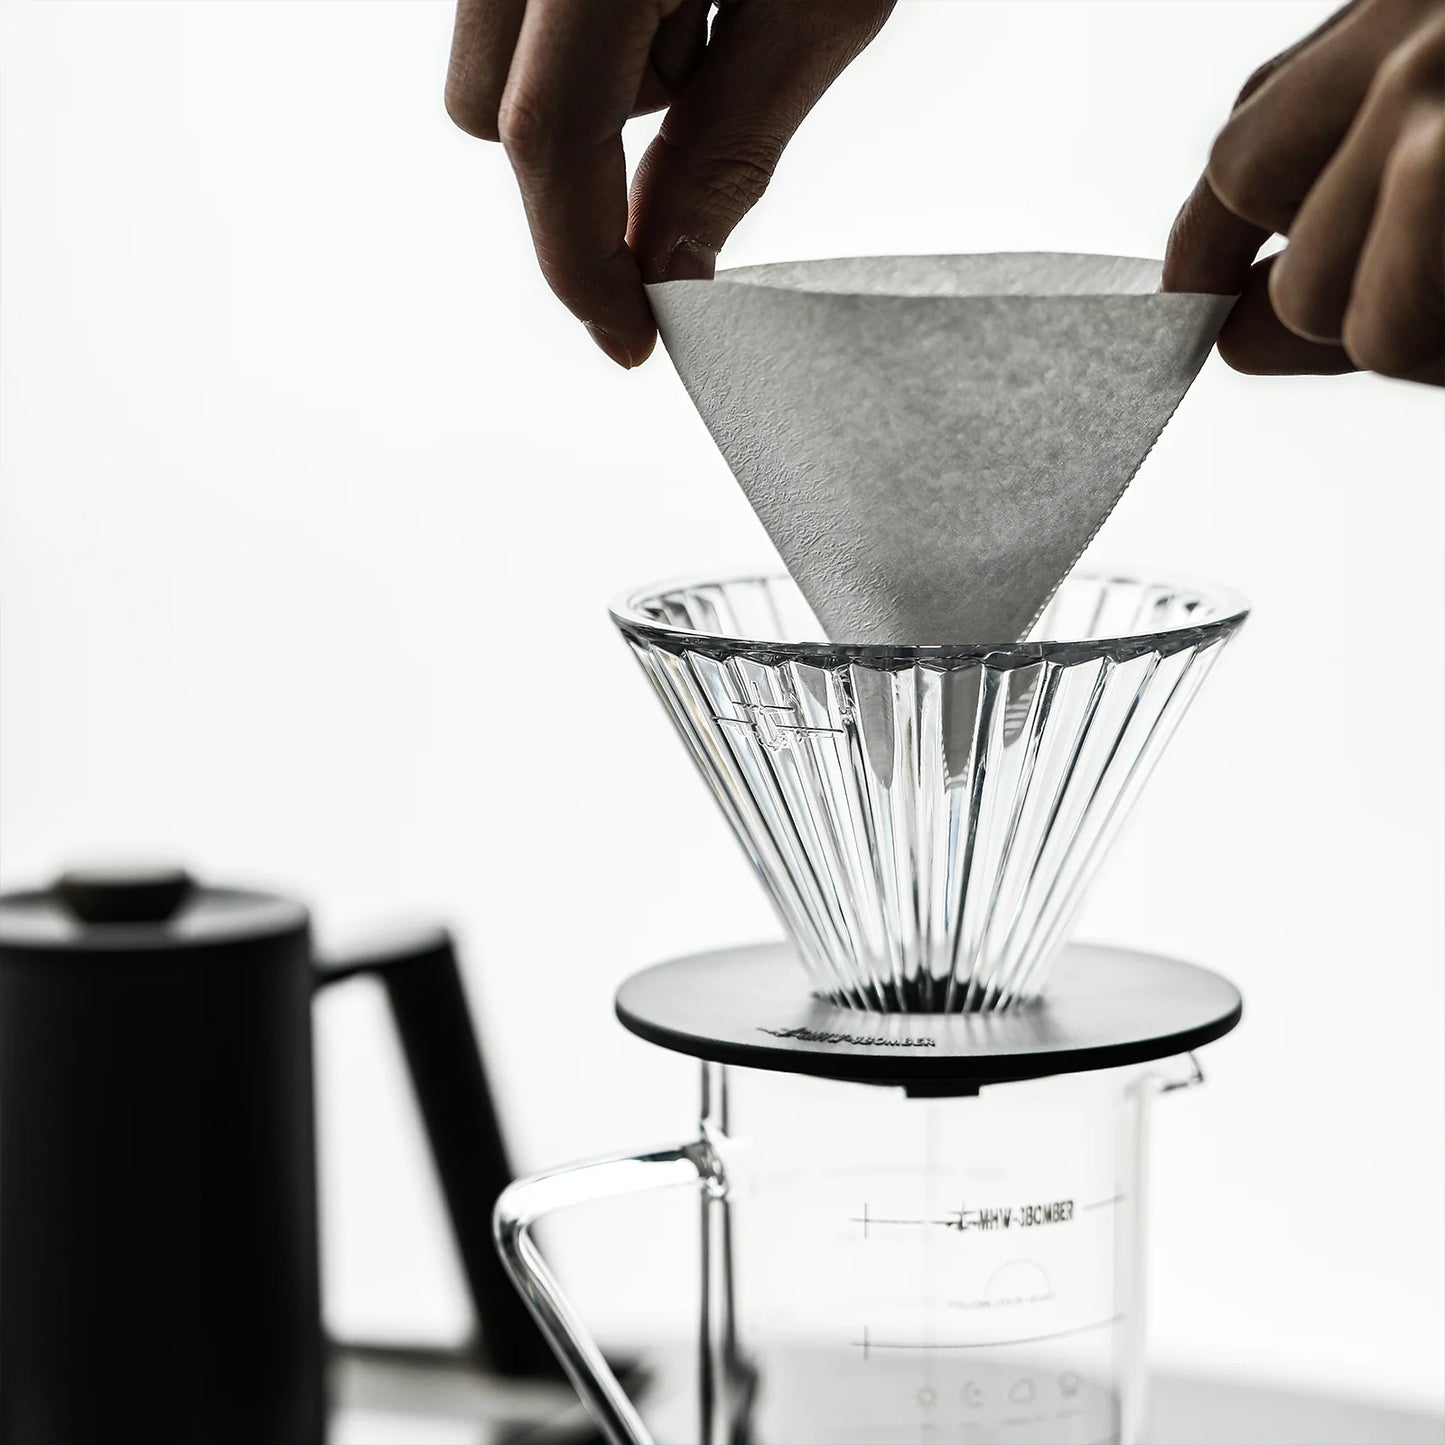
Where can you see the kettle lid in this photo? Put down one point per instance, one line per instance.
(140, 908)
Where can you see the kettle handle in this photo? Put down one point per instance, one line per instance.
(524, 1203)
(429, 1008)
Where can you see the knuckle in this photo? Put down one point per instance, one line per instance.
(1256, 79)
(528, 131)
(1237, 176)
(1419, 155)
(1416, 66)
(1397, 75)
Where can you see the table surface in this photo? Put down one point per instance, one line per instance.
(381, 1402)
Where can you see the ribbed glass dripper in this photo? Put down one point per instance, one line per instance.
(926, 819)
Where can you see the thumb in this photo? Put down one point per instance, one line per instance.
(764, 69)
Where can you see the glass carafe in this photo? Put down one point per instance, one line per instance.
(877, 1267)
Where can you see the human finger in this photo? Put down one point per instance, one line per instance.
(1254, 340)
(676, 50)
(483, 39)
(1278, 140)
(1210, 249)
(1312, 280)
(1395, 320)
(764, 69)
(576, 72)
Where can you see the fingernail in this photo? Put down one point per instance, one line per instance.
(690, 261)
(611, 345)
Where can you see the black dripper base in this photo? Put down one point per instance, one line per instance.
(1105, 1007)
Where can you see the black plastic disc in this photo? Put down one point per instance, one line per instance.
(1103, 1007)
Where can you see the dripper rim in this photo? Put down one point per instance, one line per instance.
(1234, 608)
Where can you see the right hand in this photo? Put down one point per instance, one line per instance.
(554, 81)
(1338, 144)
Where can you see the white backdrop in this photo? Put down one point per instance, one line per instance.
(313, 498)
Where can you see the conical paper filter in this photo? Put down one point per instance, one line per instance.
(931, 441)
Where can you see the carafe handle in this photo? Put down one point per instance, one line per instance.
(1181, 1073)
(524, 1203)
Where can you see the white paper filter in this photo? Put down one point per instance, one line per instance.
(932, 441)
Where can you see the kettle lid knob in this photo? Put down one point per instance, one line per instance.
(128, 893)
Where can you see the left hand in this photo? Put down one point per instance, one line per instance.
(1338, 144)
(556, 80)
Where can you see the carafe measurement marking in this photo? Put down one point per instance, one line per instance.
(963, 1218)
(868, 1344)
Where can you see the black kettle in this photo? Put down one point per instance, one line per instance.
(159, 1276)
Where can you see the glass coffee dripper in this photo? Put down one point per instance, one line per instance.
(926, 820)
(919, 1158)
